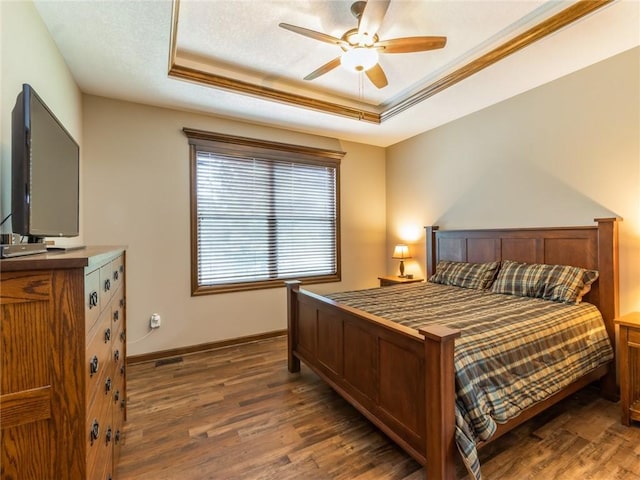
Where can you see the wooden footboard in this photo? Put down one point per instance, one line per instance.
(401, 380)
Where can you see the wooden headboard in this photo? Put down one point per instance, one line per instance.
(593, 247)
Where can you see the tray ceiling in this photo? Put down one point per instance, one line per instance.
(239, 63)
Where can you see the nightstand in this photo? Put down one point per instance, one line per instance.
(629, 351)
(391, 280)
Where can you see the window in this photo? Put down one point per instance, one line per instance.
(261, 213)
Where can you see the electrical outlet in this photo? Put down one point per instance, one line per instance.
(155, 321)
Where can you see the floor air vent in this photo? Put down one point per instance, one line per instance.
(168, 361)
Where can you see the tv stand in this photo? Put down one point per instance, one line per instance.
(19, 249)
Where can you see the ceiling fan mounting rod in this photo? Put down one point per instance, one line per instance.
(357, 8)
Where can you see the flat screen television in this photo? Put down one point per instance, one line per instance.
(45, 172)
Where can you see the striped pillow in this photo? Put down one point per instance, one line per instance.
(560, 283)
(467, 275)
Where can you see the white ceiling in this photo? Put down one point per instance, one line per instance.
(121, 49)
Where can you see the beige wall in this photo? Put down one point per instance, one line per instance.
(29, 55)
(568, 151)
(137, 194)
(561, 154)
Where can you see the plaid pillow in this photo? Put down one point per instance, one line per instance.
(467, 275)
(560, 283)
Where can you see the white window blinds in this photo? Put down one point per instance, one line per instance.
(262, 212)
(262, 219)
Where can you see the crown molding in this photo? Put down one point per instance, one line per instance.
(558, 21)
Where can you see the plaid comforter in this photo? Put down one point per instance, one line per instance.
(513, 352)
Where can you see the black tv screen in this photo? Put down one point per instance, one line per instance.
(45, 171)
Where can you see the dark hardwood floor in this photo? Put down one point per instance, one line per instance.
(236, 413)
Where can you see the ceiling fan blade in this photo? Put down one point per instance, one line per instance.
(323, 37)
(377, 76)
(372, 17)
(410, 44)
(327, 67)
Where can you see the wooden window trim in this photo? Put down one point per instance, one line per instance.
(246, 147)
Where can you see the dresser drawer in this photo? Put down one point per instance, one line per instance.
(118, 393)
(104, 392)
(634, 336)
(118, 427)
(116, 322)
(106, 283)
(92, 299)
(120, 379)
(98, 356)
(99, 428)
(117, 312)
(119, 409)
(117, 273)
(118, 376)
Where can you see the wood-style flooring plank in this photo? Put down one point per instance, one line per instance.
(237, 414)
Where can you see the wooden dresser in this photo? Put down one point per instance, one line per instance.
(62, 360)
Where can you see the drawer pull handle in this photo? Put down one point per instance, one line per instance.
(93, 300)
(107, 385)
(115, 275)
(121, 269)
(116, 355)
(117, 436)
(116, 396)
(116, 315)
(122, 336)
(123, 403)
(122, 370)
(122, 303)
(95, 431)
(108, 435)
(107, 285)
(107, 335)
(93, 366)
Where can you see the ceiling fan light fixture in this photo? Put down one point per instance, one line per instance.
(359, 59)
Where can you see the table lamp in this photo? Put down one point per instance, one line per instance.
(401, 252)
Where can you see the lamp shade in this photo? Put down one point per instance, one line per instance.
(401, 251)
(359, 59)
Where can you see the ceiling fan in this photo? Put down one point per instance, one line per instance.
(361, 45)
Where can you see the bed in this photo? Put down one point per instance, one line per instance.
(403, 379)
